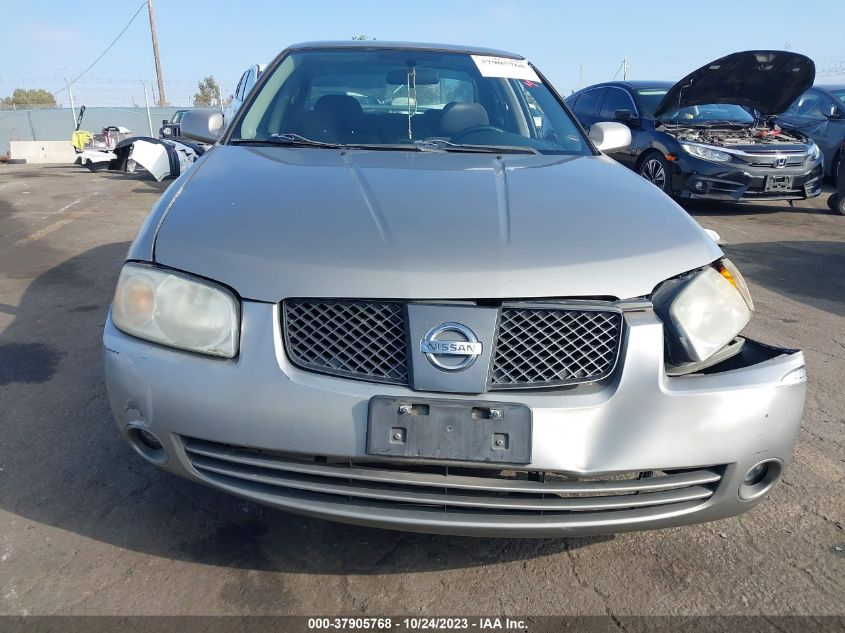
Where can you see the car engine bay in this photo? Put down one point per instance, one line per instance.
(728, 136)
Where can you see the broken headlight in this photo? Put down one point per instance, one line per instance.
(176, 310)
(702, 312)
(707, 153)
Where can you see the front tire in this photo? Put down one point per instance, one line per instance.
(836, 202)
(657, 170)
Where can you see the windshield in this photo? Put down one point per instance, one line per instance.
(398, 99)
(839, 94)
(650, 98)
(177, 116)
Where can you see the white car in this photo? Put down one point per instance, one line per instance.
(245, 84)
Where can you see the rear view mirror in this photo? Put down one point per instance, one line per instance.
(164, 121)
(609, 136)
(204, 125)
(422, 77)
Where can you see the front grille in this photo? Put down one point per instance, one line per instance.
(766, 159)
(534, 346)
(537, 347)
(415, 487)
(360, 339)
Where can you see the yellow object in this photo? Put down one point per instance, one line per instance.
(727, 275)
(80, 138)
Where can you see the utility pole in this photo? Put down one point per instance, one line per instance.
(72, 104)
(625, 69)
(580, 76)
(147, 102)
(152, 13)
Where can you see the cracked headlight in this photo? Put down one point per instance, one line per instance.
(704, 311)
(176, 310)
(707, 153)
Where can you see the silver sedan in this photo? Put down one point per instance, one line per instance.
(404, 289)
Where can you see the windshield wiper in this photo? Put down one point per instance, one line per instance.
(449, 146)
(288, 138)
(292, 139)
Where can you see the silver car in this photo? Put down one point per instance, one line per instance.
(417, 309)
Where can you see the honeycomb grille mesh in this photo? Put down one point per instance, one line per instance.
(535, 347)
(359, 339)
(548, 347)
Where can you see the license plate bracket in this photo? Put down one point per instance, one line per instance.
(779, 182)
(453, 430)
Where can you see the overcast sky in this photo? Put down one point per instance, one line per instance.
(44, 41)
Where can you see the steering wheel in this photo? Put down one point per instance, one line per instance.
(474, 130)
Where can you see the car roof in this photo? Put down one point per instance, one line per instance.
(634, 85)
(830, 86)
(416, 46)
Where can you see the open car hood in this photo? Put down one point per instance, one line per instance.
(768, 81)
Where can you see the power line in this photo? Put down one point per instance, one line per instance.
(70, 83)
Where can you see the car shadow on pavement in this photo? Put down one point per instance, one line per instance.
(812, 272)
(65, 465)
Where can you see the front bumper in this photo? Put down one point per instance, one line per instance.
(696, 178)
(640, 420)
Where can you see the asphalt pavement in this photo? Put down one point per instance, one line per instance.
(88, 527)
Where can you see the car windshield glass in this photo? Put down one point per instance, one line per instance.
(650, 98)
(177, 117)
(839, 94)
(394, 99)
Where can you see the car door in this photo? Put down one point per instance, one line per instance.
(617, 100)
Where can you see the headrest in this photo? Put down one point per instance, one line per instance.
(461, 116)
(340, 110)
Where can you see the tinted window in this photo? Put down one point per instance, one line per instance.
(400, 97)
(708, 112)
(588, 101)
(650, 98)
(809, 104)
(616, 99)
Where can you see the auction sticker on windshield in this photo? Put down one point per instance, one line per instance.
(504, 67)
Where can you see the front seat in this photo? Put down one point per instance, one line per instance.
(339, 118)
(458, 117)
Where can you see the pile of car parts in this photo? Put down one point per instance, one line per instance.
(162, 158)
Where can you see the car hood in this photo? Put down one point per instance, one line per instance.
(274, 222)
(768, 81)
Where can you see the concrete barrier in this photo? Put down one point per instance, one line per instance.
(39, 152)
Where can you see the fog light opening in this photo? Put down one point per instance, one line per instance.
(700, 186)
(149, 439)
(759, 479)
(147, 444)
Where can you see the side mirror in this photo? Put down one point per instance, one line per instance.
(609, 137)
(164, 121)
(624, 115)
(204, 125)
